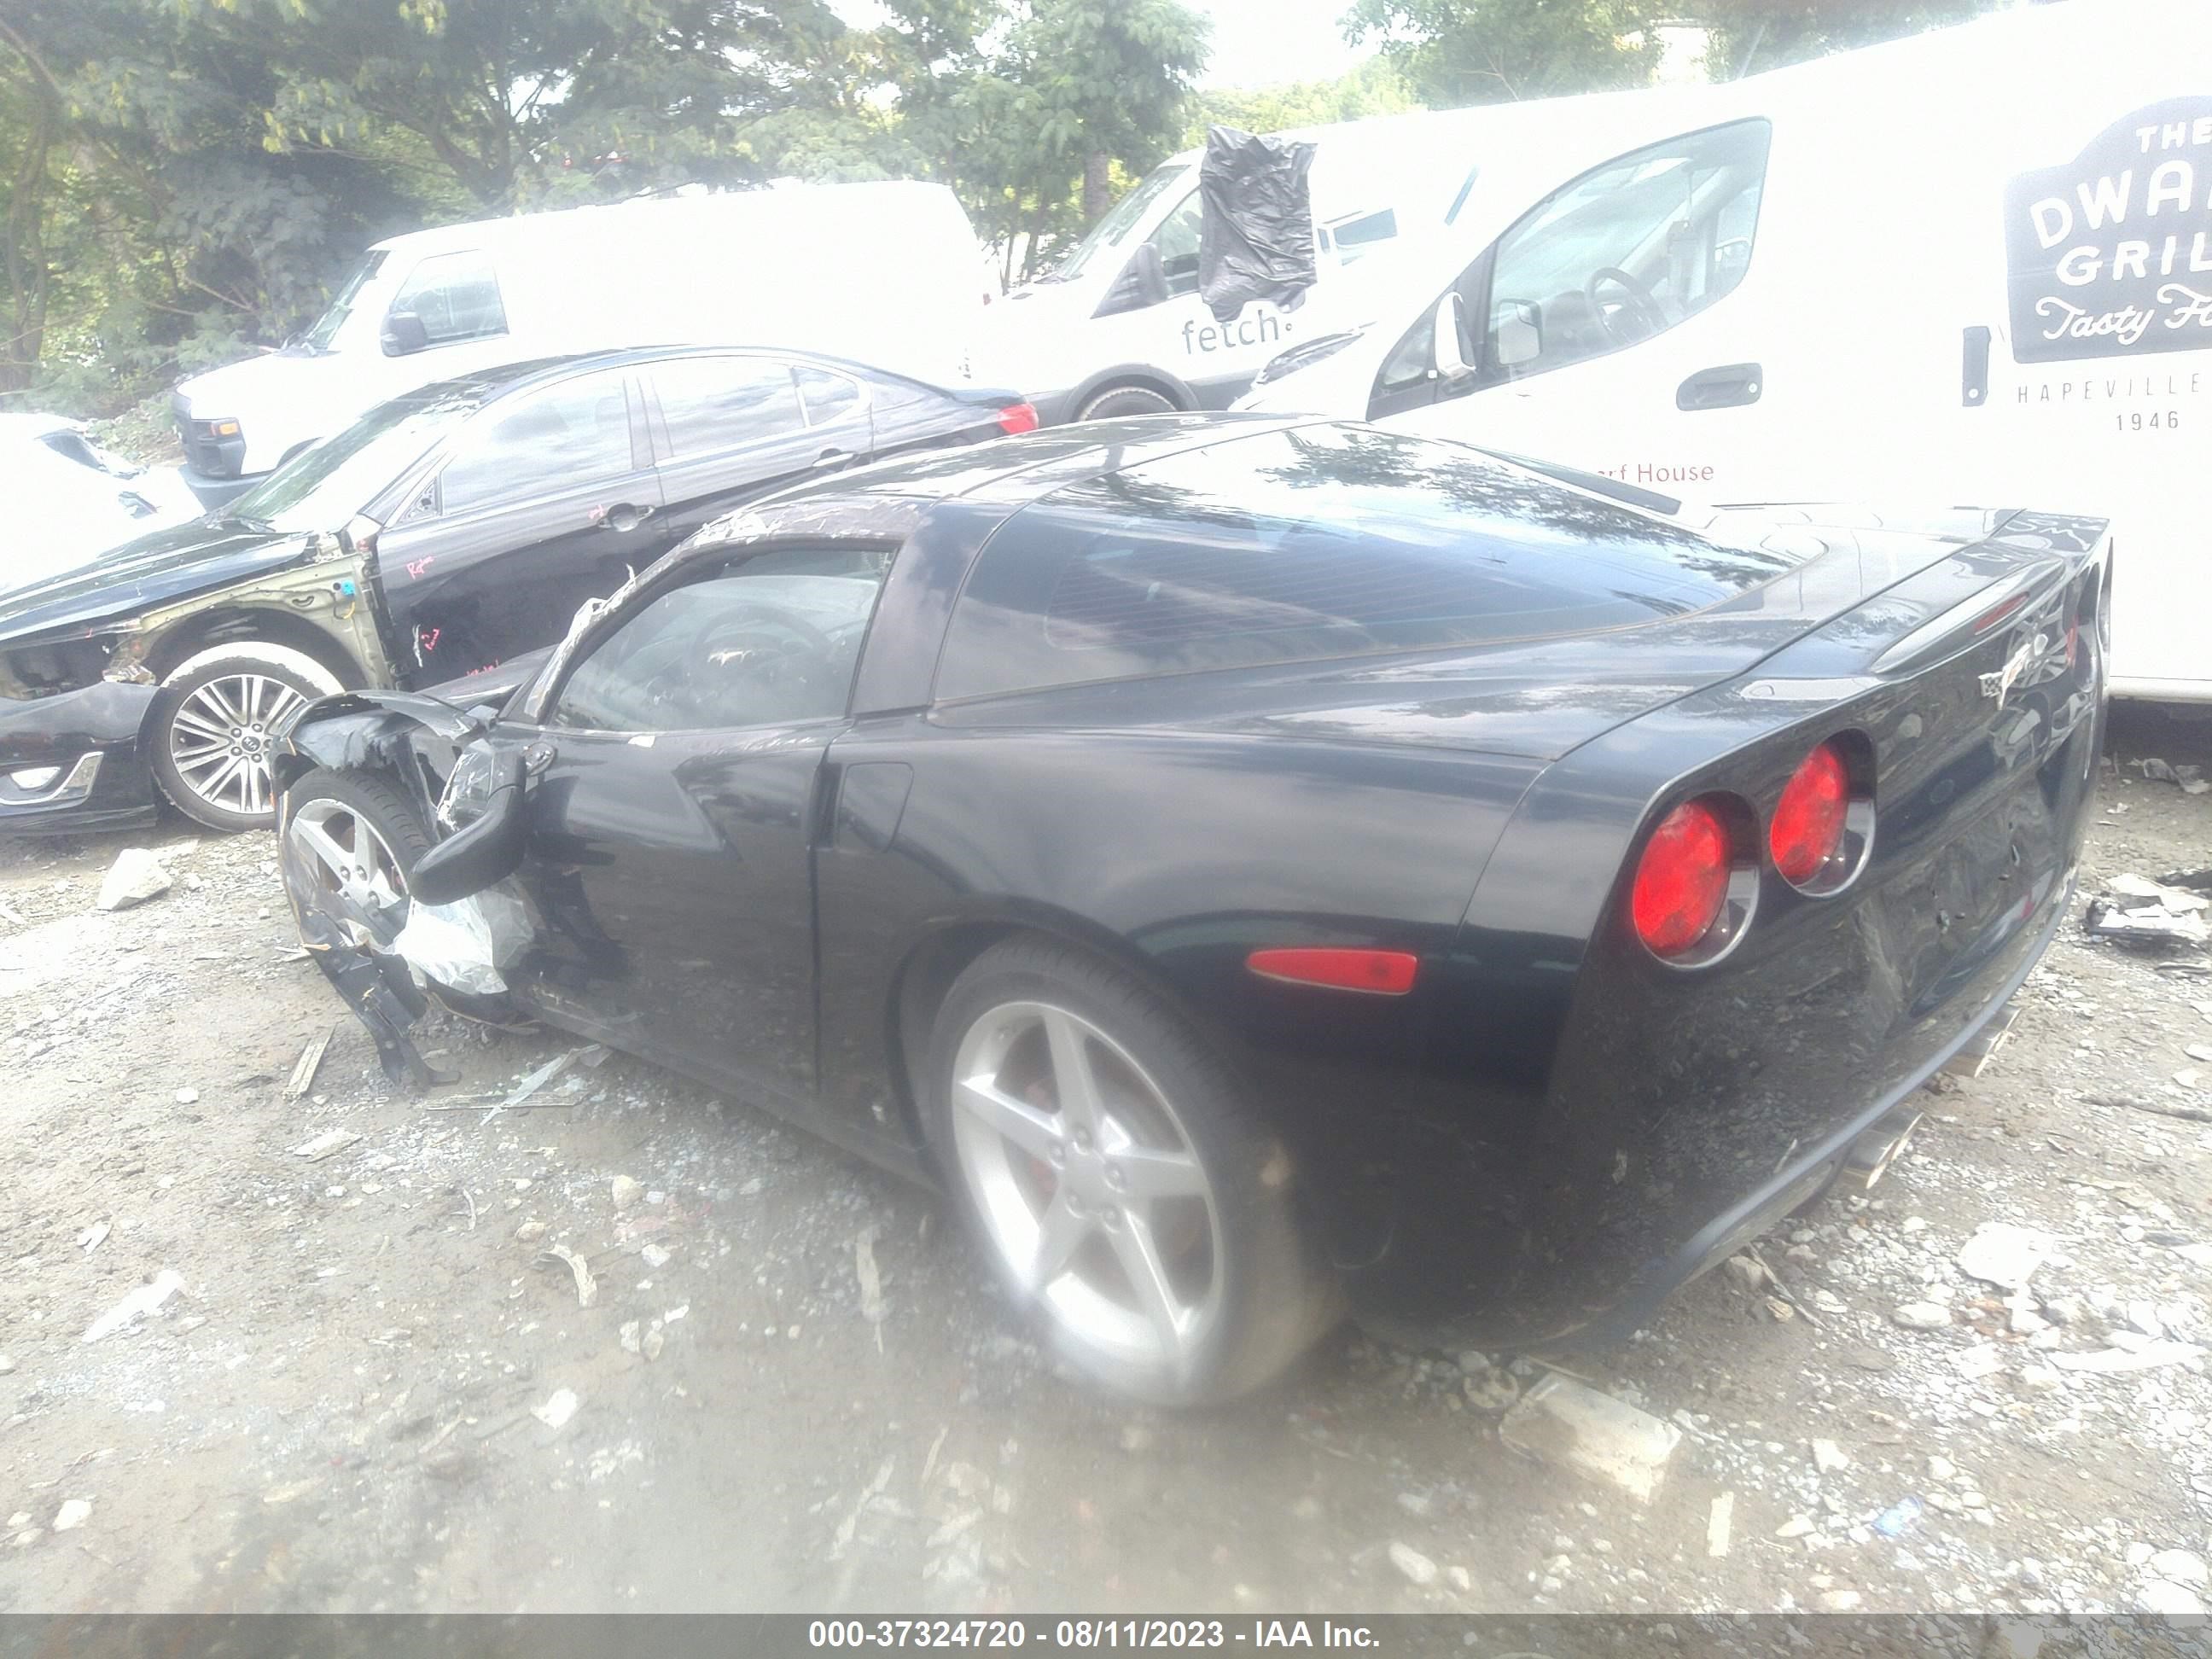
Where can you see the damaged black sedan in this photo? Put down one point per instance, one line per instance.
(1262, 868)
(442, 534)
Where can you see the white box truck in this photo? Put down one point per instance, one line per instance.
(884, 273)
(1971, 266)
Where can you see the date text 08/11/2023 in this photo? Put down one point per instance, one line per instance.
(1082, 1634)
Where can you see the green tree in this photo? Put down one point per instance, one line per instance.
(1455, 53)
(1748, 35)
(1375, 87)
(1108, 83)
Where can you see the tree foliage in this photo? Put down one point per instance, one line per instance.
(1455, 53)
(189, 177)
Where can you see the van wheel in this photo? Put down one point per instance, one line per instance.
(1122, 1186)
(1126, 400)
(215, 723)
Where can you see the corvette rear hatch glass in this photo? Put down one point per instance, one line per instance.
(1323, 541)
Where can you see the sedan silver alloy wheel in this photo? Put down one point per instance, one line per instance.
(221, 736)
(335, 851)
(1088, 1185)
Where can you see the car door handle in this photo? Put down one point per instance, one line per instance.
(830, 459)
(1729, 386)
(623, 515)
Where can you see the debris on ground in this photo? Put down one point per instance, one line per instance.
(625, 1192)
(135, 875)
(2004, 1255)
(1417, 1567)
(558, 1408)
(1562, 1422)
(1922, 1317)
(1720, 1522)
(871, 1284)
(146, 1298)
(328, 1144)
(310, 1062)
(73, 1514)
(2136, 911)
(587, 1288)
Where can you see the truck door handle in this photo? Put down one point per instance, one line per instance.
(623, 515)
(1974, 366)
(1729, 386)
(831, 458)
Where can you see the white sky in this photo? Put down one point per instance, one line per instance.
(1256, 43)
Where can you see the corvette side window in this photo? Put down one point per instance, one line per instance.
(769, 640)
(1628, 250)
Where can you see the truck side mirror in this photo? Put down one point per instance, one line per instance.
(404, 335)
(1446, 330)
(1143, 282)
(1520, 335)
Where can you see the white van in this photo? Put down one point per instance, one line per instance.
(880, 273)
(1975, 266)
(1117, 326)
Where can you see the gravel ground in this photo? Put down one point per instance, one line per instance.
(368, 1385)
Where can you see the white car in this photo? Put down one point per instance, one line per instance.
(69, 499)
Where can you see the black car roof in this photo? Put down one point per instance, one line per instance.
(485, 383)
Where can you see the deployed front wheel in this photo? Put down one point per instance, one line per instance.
(349, 839)
(1118, 1182)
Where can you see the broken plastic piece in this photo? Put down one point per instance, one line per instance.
(376, 988)
(464, 945)
(2151, 924)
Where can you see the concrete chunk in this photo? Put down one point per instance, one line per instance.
(1559, 1421)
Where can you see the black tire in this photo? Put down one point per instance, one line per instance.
(176, 736)
(1277, 1296)
(366, 795)
(1112, 400)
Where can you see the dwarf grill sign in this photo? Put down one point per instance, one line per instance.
(2110, 255)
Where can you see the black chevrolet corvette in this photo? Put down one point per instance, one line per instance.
(1260, 868)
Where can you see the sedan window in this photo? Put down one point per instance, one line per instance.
(770, 641)
(714, 405)
(573, 433)
(828, 397)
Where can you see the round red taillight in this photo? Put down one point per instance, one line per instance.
(1681, 880)
(1808, 827)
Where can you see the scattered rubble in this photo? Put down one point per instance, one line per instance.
(1416, 1567)
(135, 875)
(146, 1299)
(1561, 1421)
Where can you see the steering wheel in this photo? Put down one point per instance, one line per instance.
(1639, 309)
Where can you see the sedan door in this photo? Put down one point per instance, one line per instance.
(730, 426)
(670, 852)
(548, 498)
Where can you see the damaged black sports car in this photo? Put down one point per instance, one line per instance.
(1262, 868)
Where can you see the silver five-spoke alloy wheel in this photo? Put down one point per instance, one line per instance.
(1087, 1183)
(220, 735)
(338, 854)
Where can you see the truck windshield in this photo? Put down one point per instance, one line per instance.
(332, 482)
(1115, 228)
(326, 327)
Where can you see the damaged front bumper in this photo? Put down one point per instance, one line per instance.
(72, 761)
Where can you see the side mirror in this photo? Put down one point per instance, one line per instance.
(404, 335)
(1446, 330)
(489, 850)
(1143, 282)
(1520, 335)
